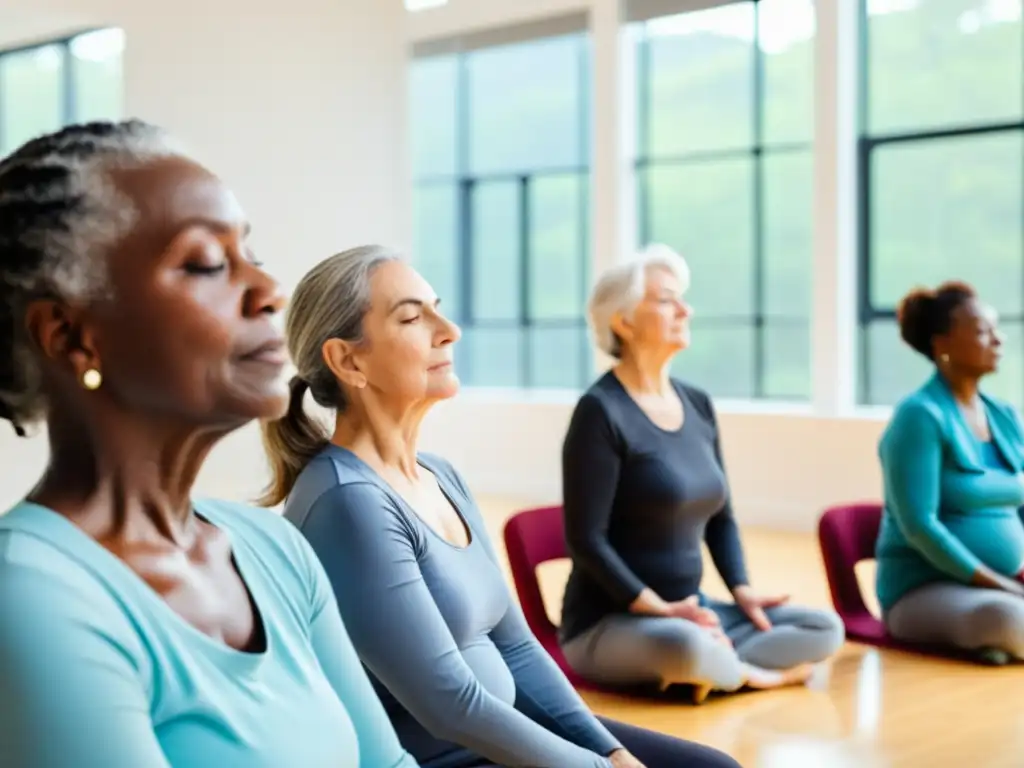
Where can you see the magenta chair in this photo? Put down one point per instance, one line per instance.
(847, 536)
(534, 537)
(537, 536)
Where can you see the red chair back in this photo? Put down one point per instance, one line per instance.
(534, 537)
(847, 535)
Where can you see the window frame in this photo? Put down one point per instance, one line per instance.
(465, 182)
(758, 151)
(69, 100)
(868, 312)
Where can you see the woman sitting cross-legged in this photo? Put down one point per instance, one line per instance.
(416, 577)
(644, 485)
(951, 546)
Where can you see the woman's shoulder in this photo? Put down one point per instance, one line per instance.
(603, 388)
(34, 538)
(37, 540)
(1003, 408)
(45, 560)
(918, 416)
(915, 407)
(240, 517)
(265, 532)
(336, 478)
(601, 401)
(441, 467)
(697, 395)
(450, 479)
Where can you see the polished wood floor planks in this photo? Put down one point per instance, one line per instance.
(868, 709)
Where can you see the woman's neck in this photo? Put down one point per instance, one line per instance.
(964, 388)
(133, 481)
(386, 439)
(644, 373)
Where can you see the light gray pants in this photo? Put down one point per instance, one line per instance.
(961, 616)
(626, 649)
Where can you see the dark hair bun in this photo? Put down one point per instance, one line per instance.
(915, 314)
(924, 314)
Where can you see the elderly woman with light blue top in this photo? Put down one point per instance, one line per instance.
(141, 627)
(951, 547)
(417, 579)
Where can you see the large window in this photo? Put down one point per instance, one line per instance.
(942, 175)
(501, 158)
(726, 120)
(46, 86)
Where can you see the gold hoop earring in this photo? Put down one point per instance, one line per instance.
(92, 379)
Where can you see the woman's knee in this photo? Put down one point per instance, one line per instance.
(689, 654)
(997, 624)
(830, 633)
(819, 634)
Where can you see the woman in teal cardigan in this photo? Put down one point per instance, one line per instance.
(951, 546)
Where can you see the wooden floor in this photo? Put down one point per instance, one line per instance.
(868, 709)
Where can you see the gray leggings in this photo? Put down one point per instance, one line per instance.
(969, 618)
(625, 649)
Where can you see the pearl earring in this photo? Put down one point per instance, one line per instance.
(944, 358)
(92, 379)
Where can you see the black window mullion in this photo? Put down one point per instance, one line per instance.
(757, 227)
(2, 140)
(643, 120)
(466, 187)
(69, 100)
(863, 246)
(465, 260)
(525, 313)
(863, 233)
(585, 179)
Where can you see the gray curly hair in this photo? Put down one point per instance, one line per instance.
(60, 213)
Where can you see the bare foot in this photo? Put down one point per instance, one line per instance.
(762, 679)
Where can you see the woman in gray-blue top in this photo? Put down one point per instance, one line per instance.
(416, 578)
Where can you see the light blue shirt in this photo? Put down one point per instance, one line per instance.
(97, 671)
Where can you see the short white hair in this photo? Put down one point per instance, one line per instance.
(621, 288)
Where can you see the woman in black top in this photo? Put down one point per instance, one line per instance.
(644, 485)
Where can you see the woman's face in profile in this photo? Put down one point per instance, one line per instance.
(190, 332)
(974, 343)
(408, 354)
(662, 318)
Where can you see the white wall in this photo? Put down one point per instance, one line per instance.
(300, 105)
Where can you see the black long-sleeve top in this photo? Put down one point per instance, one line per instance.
(638, 502)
